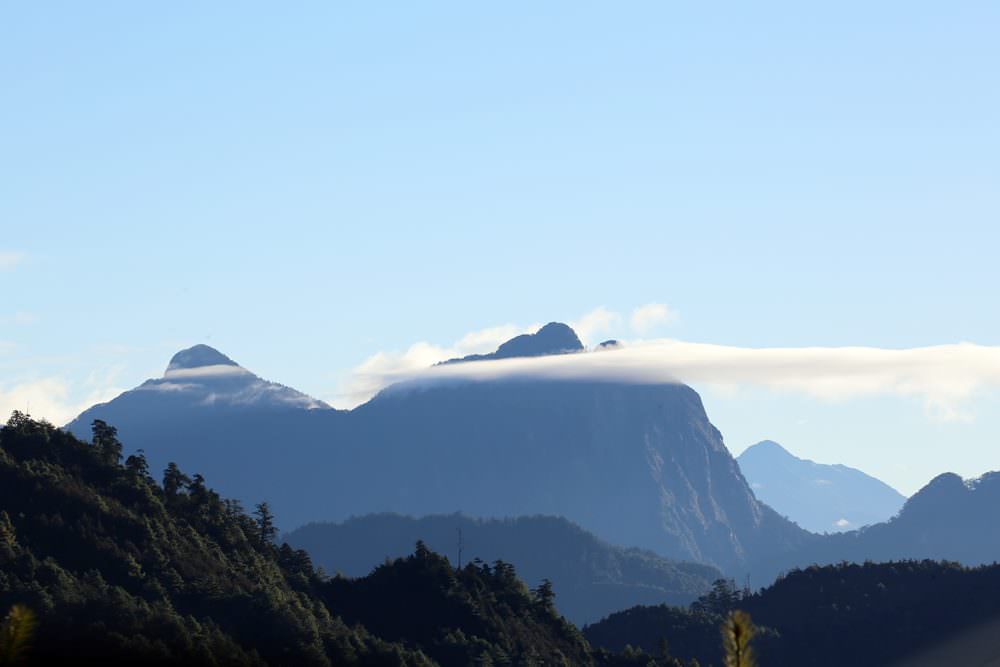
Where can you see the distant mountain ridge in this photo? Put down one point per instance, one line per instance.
(949, 519)
(636, 464)
(590, 577)
(819, 497)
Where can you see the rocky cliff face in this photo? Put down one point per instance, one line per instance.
(636, 464)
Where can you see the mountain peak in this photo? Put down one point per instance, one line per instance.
(553, 338)
(198, 356)
(766, 448)
(817, 496)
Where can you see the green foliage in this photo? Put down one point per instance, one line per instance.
(720, 600)
(16, 633)
(123, 571)
(737, 633)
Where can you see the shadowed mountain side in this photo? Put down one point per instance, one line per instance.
(590, 577)
(819, 497)
(635, 464)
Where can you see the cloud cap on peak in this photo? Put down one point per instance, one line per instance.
(198, 356)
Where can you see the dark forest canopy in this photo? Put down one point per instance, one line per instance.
(847, 614)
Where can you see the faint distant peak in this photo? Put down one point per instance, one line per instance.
(553, 338)
(766, 448)
(198, 356)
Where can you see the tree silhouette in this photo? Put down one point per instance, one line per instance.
(174, 480)
(138, 464)
(545, 596)
(106, 441)
(266, 530)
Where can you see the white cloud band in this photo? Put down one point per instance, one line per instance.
(943, 376)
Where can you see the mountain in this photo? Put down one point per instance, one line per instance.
(553, 338)
(636, 464)
(590, 577)
(819, 497)
(121, 570)
(949, 519)
(201, 376)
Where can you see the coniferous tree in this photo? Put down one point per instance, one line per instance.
(138, 465)
(545, 596)
(174, 480)
(106, 441)
(266, 529)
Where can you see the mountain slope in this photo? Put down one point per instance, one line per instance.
(590, 577)
(818, 497)
(122, 570)
(636, 464)
(949, 519)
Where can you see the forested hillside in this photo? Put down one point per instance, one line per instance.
(121, 569)
(849, 614)
(590, 577)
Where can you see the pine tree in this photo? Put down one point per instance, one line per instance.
(106, 441)
(174, 480)
(545, 596)
(138, 465)
(266, 530)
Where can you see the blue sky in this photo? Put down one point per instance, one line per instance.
(305, 188)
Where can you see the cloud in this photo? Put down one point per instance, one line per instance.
(20, 318)
(596, 321)
(646, 318)
(10, 260)
(212, 371)
(383, 368)
(52, 398)
(943, 377)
